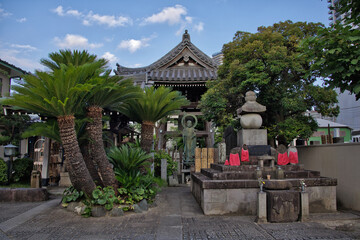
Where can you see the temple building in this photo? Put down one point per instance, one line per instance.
(186, 69)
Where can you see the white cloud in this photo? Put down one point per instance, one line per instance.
(136, 65)
(94, 18)
(199, 27)
(132, 45)
(188, 19)
(110, 21)
(75, 41)
(21, 20)
(110, 57)
(11, 56)
(75, 13)
(59, 10)
(171, 15)
(4, 13)
(24, 47)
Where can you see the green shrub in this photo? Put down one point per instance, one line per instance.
(105, 197)
(128, 160)
(71, 195)
(22, 168)
(3, 171)
(171, 164)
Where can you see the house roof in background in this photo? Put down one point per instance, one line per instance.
(324, 123)
(12, 67)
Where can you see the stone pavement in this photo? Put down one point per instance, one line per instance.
(176, 215)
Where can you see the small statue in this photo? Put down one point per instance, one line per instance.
(189, 138)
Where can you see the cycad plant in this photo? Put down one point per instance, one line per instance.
(107, 91)
(153, 105)
(60, 94)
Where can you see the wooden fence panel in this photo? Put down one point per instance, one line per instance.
(204, 158)
(197, 159)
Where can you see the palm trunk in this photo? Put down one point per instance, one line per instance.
(94, 129)
(79, 174)
(89, 162)
(147, 134)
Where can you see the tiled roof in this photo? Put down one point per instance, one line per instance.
(158, 71)
(181, 74)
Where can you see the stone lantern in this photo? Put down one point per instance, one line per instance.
(249, 112)
(251, 121)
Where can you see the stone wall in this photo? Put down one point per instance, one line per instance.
(341, 161)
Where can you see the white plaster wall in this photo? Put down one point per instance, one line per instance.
(341, 161)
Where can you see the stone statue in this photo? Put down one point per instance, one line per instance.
(189, 138)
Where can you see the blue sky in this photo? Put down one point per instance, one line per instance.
(138, 32)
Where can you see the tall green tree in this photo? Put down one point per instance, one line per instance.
(153, 105)
(335, 51)
(60, 94)
(270, 63)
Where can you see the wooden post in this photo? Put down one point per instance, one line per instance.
(197, 159)
(204, 158)
(211, 156)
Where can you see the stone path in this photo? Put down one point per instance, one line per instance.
(175, 216)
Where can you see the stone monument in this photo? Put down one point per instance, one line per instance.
(251, 121)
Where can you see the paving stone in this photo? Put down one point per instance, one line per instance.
(169, 221)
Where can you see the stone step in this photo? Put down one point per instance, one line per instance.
(207, 183)
(217, 175)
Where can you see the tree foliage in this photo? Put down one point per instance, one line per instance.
(335, 51)
(270, 63)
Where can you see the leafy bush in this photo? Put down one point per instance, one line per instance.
(128, 160)
(22, 168)
(105, 197)
(3, 171)
(71, 195)
(171, 164)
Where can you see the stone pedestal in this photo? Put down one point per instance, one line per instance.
(35, 179)
(283, 205)
(261, 208)
(279, 173)
(252, 137)
(304, 212)
(164, 169)
(64, 180)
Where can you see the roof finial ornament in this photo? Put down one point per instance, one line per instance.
(186, 36)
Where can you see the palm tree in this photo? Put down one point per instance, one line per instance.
(50, 129)
(108, 90)
(153, 105)
(68, 57)
(60, 94)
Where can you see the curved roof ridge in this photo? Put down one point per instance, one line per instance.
(171, 55)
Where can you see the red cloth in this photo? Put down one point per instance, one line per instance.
(234, 159)
(226, 162)
(244, 155)
(293, 157)
(283, 159)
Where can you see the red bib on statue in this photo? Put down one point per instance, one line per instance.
(244, 155)
(293, 157)
(283, 159)
(234, 159)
